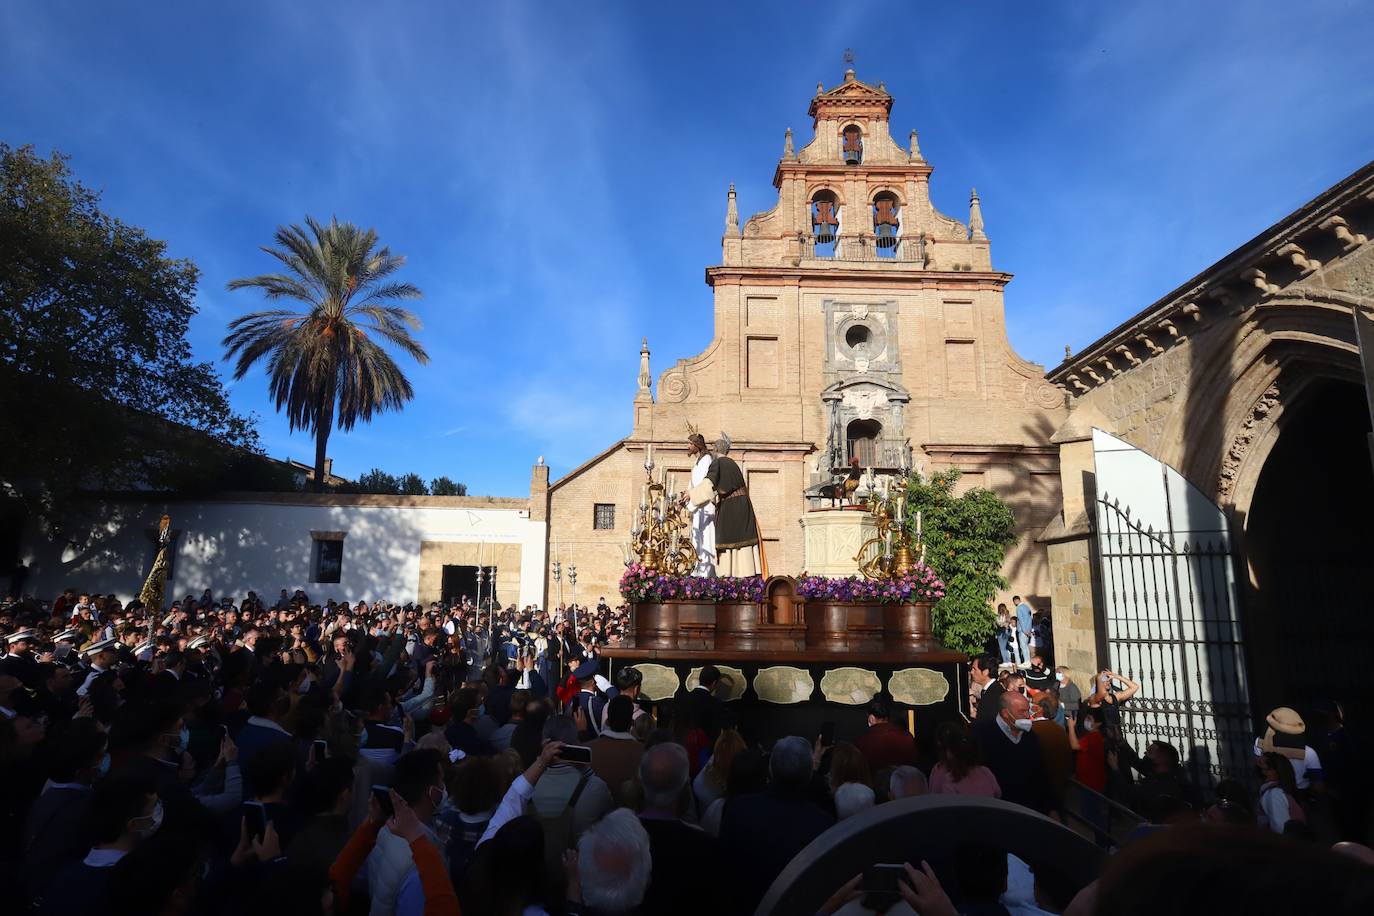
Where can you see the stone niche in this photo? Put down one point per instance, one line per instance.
(864, 399)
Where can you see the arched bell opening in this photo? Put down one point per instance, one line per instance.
(825, 222)
(852, 144)
(886, 223)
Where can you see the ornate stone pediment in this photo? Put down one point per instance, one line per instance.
(865, 401)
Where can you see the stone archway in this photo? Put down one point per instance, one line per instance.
(1308, 539)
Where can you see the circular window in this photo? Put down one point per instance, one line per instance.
(858, 334)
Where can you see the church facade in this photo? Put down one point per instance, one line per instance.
(852, 319)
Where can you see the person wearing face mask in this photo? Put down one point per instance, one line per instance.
(124, 811)
(393, 881)
(1013, 754)
(55, 831)
(1090, 752)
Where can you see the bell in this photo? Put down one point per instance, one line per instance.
(886, 236)
(851, 157)
(825, 233)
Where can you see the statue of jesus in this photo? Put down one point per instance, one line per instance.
(700, 497)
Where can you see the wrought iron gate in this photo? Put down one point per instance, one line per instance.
(1170, 615)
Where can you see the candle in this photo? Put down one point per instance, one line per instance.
(918, 524)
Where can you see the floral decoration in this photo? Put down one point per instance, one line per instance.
(639, 584)
(919, 585)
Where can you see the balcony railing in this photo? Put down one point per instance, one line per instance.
(865, 248)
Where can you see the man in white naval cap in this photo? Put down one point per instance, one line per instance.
(102, 656)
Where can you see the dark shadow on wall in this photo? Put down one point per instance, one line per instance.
(231, 548)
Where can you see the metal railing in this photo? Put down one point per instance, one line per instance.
(866, 248)
(1089, 812)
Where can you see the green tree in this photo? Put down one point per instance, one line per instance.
(414, 485)
(443, 486)
(94, 360)
(379, 481)
(324, 366)
(966, 540)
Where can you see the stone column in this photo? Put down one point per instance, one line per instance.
(1069, 543)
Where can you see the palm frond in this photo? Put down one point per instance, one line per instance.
(323, 365)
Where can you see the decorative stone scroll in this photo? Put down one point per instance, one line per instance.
(784, 685)
(660, 681)
(850, 686)
(676, 387)
(918, 686)
(738, 683)
(1250, 430)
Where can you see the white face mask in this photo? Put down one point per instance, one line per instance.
(1022, 725)
(154, 822)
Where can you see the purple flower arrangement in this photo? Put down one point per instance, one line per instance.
(640, 584)
(921, 584)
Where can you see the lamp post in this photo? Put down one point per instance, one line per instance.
(558, 580)
(572, 580)
(482, 580)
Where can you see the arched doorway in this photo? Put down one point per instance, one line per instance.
(863, 436)
(1309, 542)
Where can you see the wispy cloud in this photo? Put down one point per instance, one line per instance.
(556, 173)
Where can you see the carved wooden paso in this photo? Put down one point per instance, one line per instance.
(738, 625)
(907, 626)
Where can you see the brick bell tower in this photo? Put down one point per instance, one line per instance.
(851, 320)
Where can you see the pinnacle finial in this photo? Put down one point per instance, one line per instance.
(645, 379)
(1068, 353)
(975, 216)
(820, 87)
(731, 214)
(915, 153)
(787, 151)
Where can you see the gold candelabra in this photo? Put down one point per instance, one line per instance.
(889, 553)
(660, 538)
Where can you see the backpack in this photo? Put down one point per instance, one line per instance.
(558, 830)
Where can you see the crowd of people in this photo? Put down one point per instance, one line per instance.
(295, 756)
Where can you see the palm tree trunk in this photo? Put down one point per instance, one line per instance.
(324, 419)
(321, 446)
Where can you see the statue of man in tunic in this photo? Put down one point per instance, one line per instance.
(738, 548)
(703, 509)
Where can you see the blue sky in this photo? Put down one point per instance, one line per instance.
(555, 172)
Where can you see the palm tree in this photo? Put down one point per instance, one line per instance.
(323, 363)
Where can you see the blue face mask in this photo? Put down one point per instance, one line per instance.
(104, 765)
(183, 740)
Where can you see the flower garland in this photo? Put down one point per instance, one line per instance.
(921, 584)
(640, 584)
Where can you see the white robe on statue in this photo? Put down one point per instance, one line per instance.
(703, 524)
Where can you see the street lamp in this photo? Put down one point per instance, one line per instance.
(572, 580)
(482, 578)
